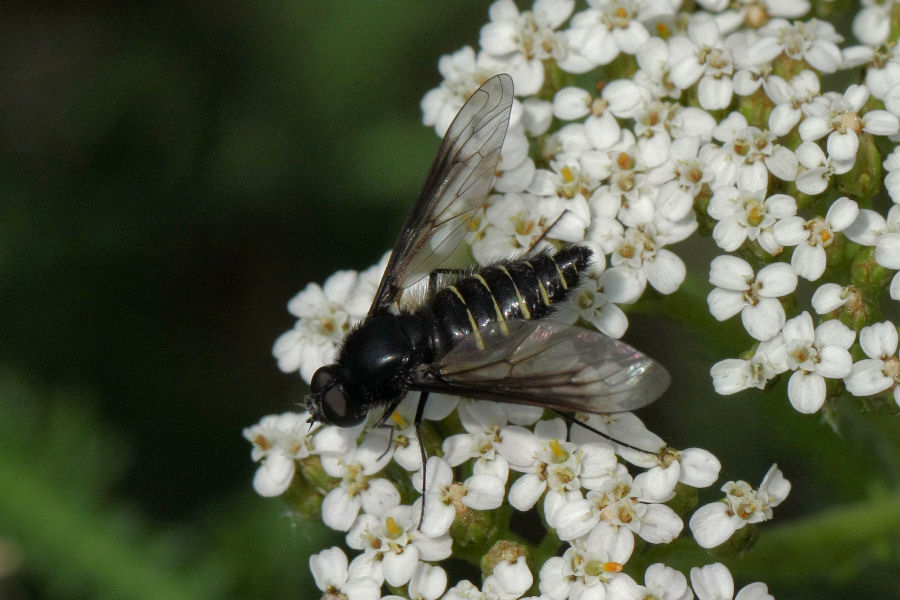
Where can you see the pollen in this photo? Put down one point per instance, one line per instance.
(757, 16)
(850, 122)
(567, 175)
(524, 227)
(695, 175)
(559, 453)
(801, 355)
(613, 567)
(663, 30)
(398, 419)
(892, 368)
(596, 568)
(625, 161)
(394, 530)
(585, 300)
(755, 214)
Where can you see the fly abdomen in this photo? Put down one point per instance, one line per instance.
(525, 288)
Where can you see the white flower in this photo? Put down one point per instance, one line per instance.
(325, 314)
(641, 250)
(813, 41)
(754, 12)
(709, 62)
(681, 178)
(695, 467)
(463, 73)
(653, 59)
(838, 116)
(508, 580)
(748, 214)
(427, 582)
(393, 540)
(829, 297)
(712, 524)
(330, 571)
(438, 498)
(358, 489)
(665, 583)
(812, 237)
(881, 371)
(815, 355)
(892, 178)
(596, 299)
(733, 375)
(714, 582)
(279, 440)
(816, 168)
(483, 421)
(619, 429)
(537, 116)
(522, 40)
(548, 461)
(629, 506)
(872, 24)
(516, 169)
(869, 227)
(748, 155)
(515, 222)
(755, 297)
(565, 180)
(405, 441)
(790, 97)
(609, 28)
(882, 68)
(571, 103)
(590, 568)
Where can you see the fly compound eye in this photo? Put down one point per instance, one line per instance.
(322, 379)
(330, 402)
(338, 409)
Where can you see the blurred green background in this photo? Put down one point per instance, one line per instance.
(171, 175)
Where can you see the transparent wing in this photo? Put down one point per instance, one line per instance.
(547, 364)
(457, 184)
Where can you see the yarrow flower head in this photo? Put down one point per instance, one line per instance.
(714, 523)
(635, 131)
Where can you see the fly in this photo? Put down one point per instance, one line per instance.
(485, 335)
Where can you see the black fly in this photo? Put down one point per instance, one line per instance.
(485, 335)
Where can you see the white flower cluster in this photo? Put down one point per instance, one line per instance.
(592, 501)
(631, 167)
(714, 121)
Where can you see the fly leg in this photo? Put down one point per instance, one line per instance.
(546, 231)
(569, 418)
(382, 422)
(417, 422)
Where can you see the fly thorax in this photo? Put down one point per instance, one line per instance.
(376, 352)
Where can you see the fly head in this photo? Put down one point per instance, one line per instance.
(331, 401)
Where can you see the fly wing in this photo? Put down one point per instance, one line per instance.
(457, 184)
(548, 364)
